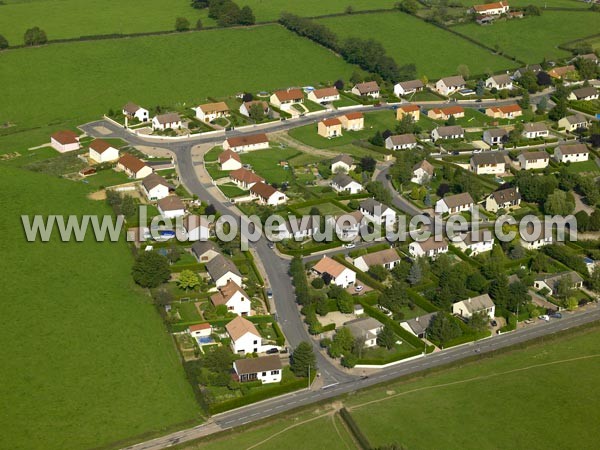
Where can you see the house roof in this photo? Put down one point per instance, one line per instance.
(585, 92)
(289, 95)
(131, 108)
(371, 205)
(553, 279)
(452, 201)
(454, 81)
(334, 121)
(219, 266)
(496, 132)
(256, 365)
(506, 195)
(363, 326)
(168, 118)
(325, 92)
(505, 109)
(535, 126)
(571, 149)
(199, 327)
(432, 244)
(576, 119)
(330, 266)
(590, 56)
(153, 180)
(403, 139)
(227, 155)
(425, 165)
(366, 87)
(489, 6)
(239, 327)
(193, 221)
(450, 110)
(214, 107)
(226, 292)
(476, 304)
(473, 237)
(100, 146)
(343, 180)
(354, 115)
(451, 130)
(170, 203)
(381, 257)
(535, 68)
(419, 324)
(357, 216)
(65, 137)
(534, 156)
(409, 107)
(249, 104)
(252, 139)
(479, 159)
(245, 176)
(501, 79)
(561, 71)
(263, 190)
(201, 247)
(411, 84)
(131, 162)
(346, 159)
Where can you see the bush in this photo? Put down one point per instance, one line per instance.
(182, 24)
(3, 42)
(35, 36)
(318, 283)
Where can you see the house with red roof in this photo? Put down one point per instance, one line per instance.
(65, 141)
(101, 151)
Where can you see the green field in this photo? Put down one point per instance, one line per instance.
(86, 360)
(95, 76)
(266, 163)
(435, 52)
(535, 38)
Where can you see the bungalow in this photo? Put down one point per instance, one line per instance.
(585, 93)
(200, 330)
(134, 111)
(533, 242)
(133, 166)
(65, 141)
(454, 204)
(573, 123)
(267, 194)
(562, 72)
(342, 163)
(246, 143)
(504, 112)
(368, 88)
(535, 130)
(325, 95)
(197, 228)
(418, 326)
(234, 298)
(408, 87)
(476, 242)
(101, 151)
(244, 178)
(377, 212)
(230, 160)
(342, 183)
(340, 274)
(534, 160)
(503, 198)
(449, 85)
(204, 251)
(590, 57)
(171, 207)
(286, 98)
(482, 303)
(245, 338)
(266, 369)
(330, 128)
(401, 142)
(348, 225)
(495, 136)
(366, 329)
(535, 68)
(222, 271)
(387, 258)
(166, 121)
(449, 132)
(499, 82)
(422, 172)
(156, 187)
(571, 153)
(551, 282)
(445, 113)
(491, 9)
(211, 111)
(410, 109)
(429, 247)
(489, 163)
(247, 106)
(353, 121)
(299, 228)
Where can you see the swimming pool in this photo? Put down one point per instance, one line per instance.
(203, 340)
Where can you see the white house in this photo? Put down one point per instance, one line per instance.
(408, 87)
(246, 143)
(377, 212)
(136, 111)
(535, 130)
(211, 111)
(166, 121)
(266, 369)
(156, 187)
(325, 95)
(244, 178)
(245, 338)
(430, 248)
(489, 163)
(342, 163)
(133, 166)
(286, 98)
(366, 329)
(503, 199)
(422, 172)
(450, 85)
(234, 298)
(571, 153)
(449, 132)
(401, 142)
(482, 303)
(368, 88)
(247, 106)
(222, 271)
(267, 194)
(495, 136)
(196, 228)
(551, 282)
(230, 160)
(340, 274)
(65, 141)
(585, 93)
(353, 121)
(491, 9)
(204, 251)
(573, 123)
(342, 183)
(200, 330)
(499, 82)
(101, 151)
(387, 258)
(532, 241)
(298, 228)
(347, 226)
(171, 207)
(476, 242)
(454, 203)
(534, 160)
(418, 325)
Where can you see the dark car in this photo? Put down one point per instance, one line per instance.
(272, 350)
(494, 323)
(556, 315)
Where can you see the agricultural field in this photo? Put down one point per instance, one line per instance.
(435, 52)
(535, 38)
(36, 105)
(78, 333)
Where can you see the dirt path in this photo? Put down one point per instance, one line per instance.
(284, 138)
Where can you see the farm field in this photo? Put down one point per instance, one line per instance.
(86, 360)
(36, 104)
(535, 38)
(575, 4)
(435, 52)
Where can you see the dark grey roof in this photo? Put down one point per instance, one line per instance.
(450, 130)
(168, 118)
(347, 159)
(487, 158)
(535, 126)
(199, 248)
(506, 195)
(575, 119)
(402, 139)
(585, 92)
(255, 365)
(370, 205)
(153, 180)
(411, 84)
(343, 180)
(219, 266)
(553, 279)
(420, 324)
(454, 81)
(534, 156)
(496, 132)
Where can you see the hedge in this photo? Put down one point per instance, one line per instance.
(421, 301)
(360, 438)
(328, 327)
(391, 359)
(464, 257)
(182, 326)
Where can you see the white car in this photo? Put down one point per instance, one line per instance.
(544, 317)
(349, 245)
(358, 288)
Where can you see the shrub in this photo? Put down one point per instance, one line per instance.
(318, 283)
(35, 36)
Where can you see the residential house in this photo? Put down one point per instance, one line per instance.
(449, 132)
(342, 163)
(491, 9)
(480, 304)
(299, 228)
(133, 166)
(499, 82)
(204, 251)
(245, 338)
(286, 98)
(504, 112)
(495, 136)
(450, 85)
(211, 111)
(197, 228)
(534, 160)
(562, 72)
(489, 163)
(366, 329)
(101, 151)
(156, 187)
(503, 198)
(230, 160)
(246, 143)
(65, 141)
(325, 95)
(422, 172)
(571, 153)
(353, 121)
(535, 130)
(368, 88)
(445, 113)
(551, 282)
(590, 57)
(234, 298)
(171, 207)
(377, 212)
(347, 226)
(408, 87)
(267, 194)
(387, 258)
(418, 325)
(247, 106)
(245, 178)
(340, 275)
(166, 121)
(408, 108)
(585, 93)
(134, 111)
(476, 242)
(590, 264)
(330, 128)
(535, 68)
(345, 184)
(266, 369)
(222, 270)
(401, 142)
(573, 123)
(429, 247)
(200, 330)
(454, 204)
(531, 241)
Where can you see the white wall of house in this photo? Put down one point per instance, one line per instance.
(239, 304)
(476, 247)
(231, 164)
(533, 164)
(172, 213)
(352, 188)
(246, 148)
(157, 192)
(110, 154)
(416, 251)
(247, 343)
(420, 176)
(163, 126)
(574, 157)
(63, 148)
(489, 169)
(225, 279)
(198, 233)
(201, 333)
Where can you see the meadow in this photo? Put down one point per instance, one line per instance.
(86, 360)
(535, 38)
(176, 70)
(266, 163)
(435, 52)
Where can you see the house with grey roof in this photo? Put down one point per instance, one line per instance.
(573, 122)
(495, 136)
(342, 163)
(449, 85)
(400, 142)
(366, 328)
(454, 203)
(481, 303)
(535, 129)
(488, 163)
(345, 184)
(551, 282)
(204, 251)
(377, 212)
(408, 87)
(503, 198)
(449, 132)
(587, 93)
(418, 325)
(223, 270)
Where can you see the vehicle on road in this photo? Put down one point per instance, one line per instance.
(529, 321)
(544, 317)
(556, 315)
(271, 245)
(272, 351)
(269, 293)
(349, 245)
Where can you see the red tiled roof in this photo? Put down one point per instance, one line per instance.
(240, 141)
(227, 155)
(65, 137)
(245, 176)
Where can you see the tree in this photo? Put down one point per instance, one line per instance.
(182, 24)
(463, 70)
(378, 272)
(151, 269)
(583, 221)
(368, 163)
(524, 102)
(594, 281)
(3, 42)
(128, 206)
(188, 280)
(564, 287)
(162, 297)
(416, 273)
(35, 36)
(377, 139)
(559, 111)
(199, 25)
(443, 328)
(199, 4)
(355, 78)
(480, 88)
(302, 358)
(543, 79)
(587, 69)
(379, 191)
(479, 321)
(342, 343)
(386, 337)
(257, 112)
(339, 85)
(532, 10)
(529, 82)
(246, 16)
(559, 202)
(476, 282)
(318, 283)
(499, 290)
(345, 303)
(407, 125)
(408, 6)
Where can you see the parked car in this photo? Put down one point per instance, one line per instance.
(556, 315)
(528, 321)
(271, 245)
(269, 293)
(544, 317)
(272, 350)
(358, 288)
(494, 323)
(349, 245)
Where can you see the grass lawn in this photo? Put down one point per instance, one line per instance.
(215, 172)
(232, 190)
(266, 163)
(420, 41)
(99, 366)
(36, 103)
(584, 167)
(106, 178)
(534, 38)
(326, 208)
